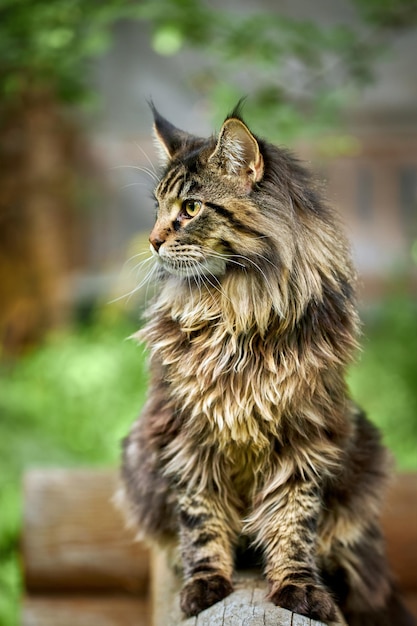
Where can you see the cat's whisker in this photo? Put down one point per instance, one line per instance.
(267, 260)
(134, 256)
(216, 280)
(223, 257)
(197, 282)
(147, 158)
(188, 264)
(136, 184)
(241, 256)
(261, 237)
(145, 280)
(231, 259)
(260, 270)
(137, 266)
(144, 170)
(206, 283)
(140, 266)
(150, 280)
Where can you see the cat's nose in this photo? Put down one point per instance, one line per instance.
(156, 239)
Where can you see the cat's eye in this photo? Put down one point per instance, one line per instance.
(191, 207)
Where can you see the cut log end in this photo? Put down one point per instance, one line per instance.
(73, 537)
(246, 606)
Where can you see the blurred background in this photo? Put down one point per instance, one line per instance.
(335, 80)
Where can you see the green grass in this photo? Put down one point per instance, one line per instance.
(384, 381)
(70, 402)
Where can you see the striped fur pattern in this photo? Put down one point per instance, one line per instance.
(249, 431)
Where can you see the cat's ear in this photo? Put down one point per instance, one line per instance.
(237, 153)
(169, 139)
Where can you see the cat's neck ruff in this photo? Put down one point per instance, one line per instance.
(237, 301)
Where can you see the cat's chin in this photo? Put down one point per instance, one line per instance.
(211, 271)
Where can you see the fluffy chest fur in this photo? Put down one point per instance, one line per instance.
(250, 393)
(222, 386)
(233, 387)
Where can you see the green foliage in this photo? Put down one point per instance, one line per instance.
(45, 45)
(390, 14)
(69, 402)
(384, 380)
(77, 392)
(299, 73)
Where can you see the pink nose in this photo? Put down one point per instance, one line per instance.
(156, 240)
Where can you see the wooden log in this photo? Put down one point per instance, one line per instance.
(76, 610)
(74, 538)
(400, 527)
(410, 599)
(246, 606)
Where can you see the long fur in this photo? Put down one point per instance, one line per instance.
(249, 429)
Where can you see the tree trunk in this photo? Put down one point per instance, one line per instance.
(33, 199)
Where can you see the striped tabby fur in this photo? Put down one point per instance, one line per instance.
(249, 430)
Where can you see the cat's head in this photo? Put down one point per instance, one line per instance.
(236, 213)
(206, 218)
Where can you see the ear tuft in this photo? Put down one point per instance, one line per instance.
(168, 137)
(237, 153)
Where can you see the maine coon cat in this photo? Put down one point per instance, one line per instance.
(248, 430)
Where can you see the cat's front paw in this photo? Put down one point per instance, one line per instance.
(200, 593)
(309, 599)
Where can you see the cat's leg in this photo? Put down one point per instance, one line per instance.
(351, 547)
(285, 525)
(207, 532)
(147, 496)
(359, 577)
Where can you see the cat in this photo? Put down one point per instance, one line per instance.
(248, 429)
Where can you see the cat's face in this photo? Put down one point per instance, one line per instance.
(206, 221)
